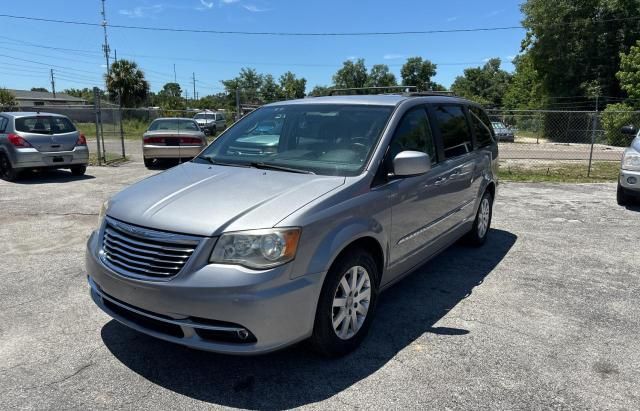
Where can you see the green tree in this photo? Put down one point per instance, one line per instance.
(629, 74)
(571, 42)
(485, 85)
(319, 91)
(614, 117)
(351, 75)
(418, 72)
(292, 86)
(525, 89)
(380, 76)
(248, 82)
(170, 97)
(270, 90)
(84, 93)
(7, 100)
(39, 89)
(127, 81)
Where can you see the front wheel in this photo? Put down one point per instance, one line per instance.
(346, 305)
(478, 234)
(621, 196)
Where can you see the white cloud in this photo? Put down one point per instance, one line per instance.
(206, 5)
(228, 1)
(142, 11)
(452, 18)
(352, 58)
(392, 56)
(253, 8)
(493, 13)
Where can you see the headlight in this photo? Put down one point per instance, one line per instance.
(103, 213)
(257, 249)
(631, 161)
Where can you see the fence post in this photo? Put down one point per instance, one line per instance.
(121, 129)
(237, 104)
(593, 140)
(96, 106)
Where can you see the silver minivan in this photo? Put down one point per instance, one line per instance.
(34, 140)
(288, 232)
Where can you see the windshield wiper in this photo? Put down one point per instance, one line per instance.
(269, 166)
(220, 163)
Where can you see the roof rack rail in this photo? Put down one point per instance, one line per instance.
(431, 93)
(406, 89)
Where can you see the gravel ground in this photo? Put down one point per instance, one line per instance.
(545, 315)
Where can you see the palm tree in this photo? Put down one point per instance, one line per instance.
(127, 81)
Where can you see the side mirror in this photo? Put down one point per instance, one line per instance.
(411, 163)
(629, 130)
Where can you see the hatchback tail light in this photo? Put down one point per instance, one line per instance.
(18, 141)
(82, 141)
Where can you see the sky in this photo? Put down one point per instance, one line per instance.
(29, 49)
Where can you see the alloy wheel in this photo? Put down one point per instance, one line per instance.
(351, 302)
(483, 217)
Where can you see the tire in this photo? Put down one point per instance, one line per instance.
(7, 172)
(481, 225)
(78, 170)
(214, 130)
(148, 162)
(336, 342)
(621, 196)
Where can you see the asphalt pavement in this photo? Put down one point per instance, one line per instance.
(545, 315)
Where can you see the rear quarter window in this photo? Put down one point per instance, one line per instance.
(481, 126)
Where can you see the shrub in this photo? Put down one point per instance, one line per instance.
(614, 117)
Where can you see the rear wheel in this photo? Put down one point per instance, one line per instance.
(346, 304)
(621, 196)
(78, 170)
(478, 234)
(148, 162)
(7, 172)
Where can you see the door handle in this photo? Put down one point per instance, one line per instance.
(440, 180)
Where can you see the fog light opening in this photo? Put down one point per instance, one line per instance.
(242, 334)
(632, 180)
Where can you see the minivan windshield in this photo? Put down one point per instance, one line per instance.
(326, 139)
(173, 124)
(44, 125)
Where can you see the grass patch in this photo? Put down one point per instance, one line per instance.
(133, 129)
(601, 172)
(113, 159)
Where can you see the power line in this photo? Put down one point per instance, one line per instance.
(298, 34)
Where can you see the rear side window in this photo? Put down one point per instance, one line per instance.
(456, 136)
(481, 126)
(45, 125)
(413, 133)
(173, 124)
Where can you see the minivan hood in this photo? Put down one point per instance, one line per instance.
(207, 200)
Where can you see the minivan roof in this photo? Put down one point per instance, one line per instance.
(373, 99)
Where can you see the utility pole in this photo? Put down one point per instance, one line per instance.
(174, 73)
(105, 47)
(194, 87)
(53, 84)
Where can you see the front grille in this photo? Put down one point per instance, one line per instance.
(132, 250)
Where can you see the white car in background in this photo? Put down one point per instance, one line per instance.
(629, 181)
(211, 121)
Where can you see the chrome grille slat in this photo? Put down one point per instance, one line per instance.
(140, 252)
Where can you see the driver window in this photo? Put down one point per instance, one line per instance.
(413, 133)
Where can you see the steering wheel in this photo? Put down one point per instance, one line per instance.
(359, 143)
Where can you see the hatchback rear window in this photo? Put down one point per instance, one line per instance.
(45, 125)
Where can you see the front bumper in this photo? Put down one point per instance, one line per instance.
(626, 180)
(153, 151)
(31, 158)
(272, 307)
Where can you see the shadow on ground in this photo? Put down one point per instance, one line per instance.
(295, 376)
(49, 176)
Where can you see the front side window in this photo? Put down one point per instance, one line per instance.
(481, 126)
(173, 124)
(45, 125)
(413, 133)
(456, 136)
(327, 139)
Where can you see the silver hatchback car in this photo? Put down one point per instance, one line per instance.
(265, 239)
(33, 140)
